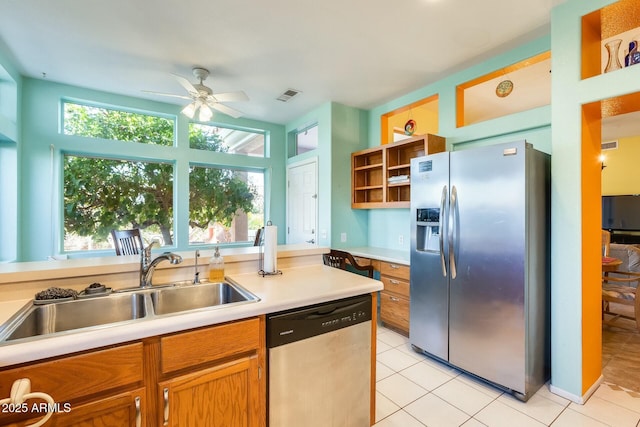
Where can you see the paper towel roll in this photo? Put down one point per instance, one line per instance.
(270, 249)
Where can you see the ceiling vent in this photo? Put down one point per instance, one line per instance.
(609, 145)
(287, 95)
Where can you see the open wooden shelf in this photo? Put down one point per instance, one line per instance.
(603, 24)
(372, 168)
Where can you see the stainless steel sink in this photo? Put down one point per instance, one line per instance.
(35, 320)
(38, 321)
(193, 297)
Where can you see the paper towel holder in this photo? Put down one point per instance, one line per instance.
(261, 258)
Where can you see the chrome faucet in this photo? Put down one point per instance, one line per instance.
(148, 266)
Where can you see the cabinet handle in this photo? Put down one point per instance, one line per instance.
(394, 282)
(165, 393)
(395, 267)
(21, 391)
(394, 299)
(138, 412)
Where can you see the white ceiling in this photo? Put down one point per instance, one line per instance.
(359, 53)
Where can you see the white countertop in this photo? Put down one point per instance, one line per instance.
(382, 254)
(296, 287)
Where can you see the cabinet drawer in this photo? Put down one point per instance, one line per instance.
(186, 349)
(394, 310)
(396, 270)
(73, 377)
(397, 286)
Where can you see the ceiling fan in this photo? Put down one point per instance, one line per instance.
(202, 97)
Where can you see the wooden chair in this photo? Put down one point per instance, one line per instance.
(127, 242)
(620, 287)
(606, 242)
(345, 261)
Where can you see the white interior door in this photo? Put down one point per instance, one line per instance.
(302, 202)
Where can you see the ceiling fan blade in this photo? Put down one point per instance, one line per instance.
(167, 94)
(186, 84)
(231, 96)
(226, 110)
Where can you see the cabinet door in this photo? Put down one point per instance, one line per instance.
(224, 396)
(125, 409)
(394, 310)
(397, 286)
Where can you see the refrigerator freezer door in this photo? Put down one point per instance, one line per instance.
(487, 295)
(429, 325)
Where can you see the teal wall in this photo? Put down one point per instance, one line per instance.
(349, 134)
(40, 186)
(387, 225)
(321, 116)
(10, 86)
(341, 131)
(569, 93)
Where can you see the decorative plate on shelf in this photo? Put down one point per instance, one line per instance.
(410, 127)
(504, 88)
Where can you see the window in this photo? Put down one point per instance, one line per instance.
(519, 87)
(225, 205)
(98, 122)
(226, 140)
(136, 189)
(307, 139)
(102, 194)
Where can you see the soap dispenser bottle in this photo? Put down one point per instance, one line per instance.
(216, 267)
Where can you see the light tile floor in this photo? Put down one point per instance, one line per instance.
(416, 391)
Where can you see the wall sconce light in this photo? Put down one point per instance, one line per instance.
(602, 161)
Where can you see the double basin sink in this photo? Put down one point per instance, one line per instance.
(34, 321)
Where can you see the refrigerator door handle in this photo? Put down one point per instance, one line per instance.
(452, 230)
(443, 200)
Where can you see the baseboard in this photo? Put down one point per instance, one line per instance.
(577, 399)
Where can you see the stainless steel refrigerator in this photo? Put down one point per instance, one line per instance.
(480, 262)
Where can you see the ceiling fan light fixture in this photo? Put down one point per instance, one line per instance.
(205, 113)
(189, 110)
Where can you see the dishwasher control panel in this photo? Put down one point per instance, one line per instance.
(346, 320)
(301, 323)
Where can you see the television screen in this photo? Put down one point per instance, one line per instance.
(621, 212)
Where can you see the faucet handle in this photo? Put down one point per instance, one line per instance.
(145, 255)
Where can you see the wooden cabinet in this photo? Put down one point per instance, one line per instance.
(103, 387)
(216, 385)
(124, 409)
(380, 175)
(394, 299)
(222, 396)
(212, 376)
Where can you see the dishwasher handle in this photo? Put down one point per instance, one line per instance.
(330, 311)
(294, 325)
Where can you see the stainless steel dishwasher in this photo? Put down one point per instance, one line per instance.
(320, 365)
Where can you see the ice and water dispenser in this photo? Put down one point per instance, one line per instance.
(428, 229)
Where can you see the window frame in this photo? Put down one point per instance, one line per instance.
(179, 154)
(262, 171)
(263, 132)
(303, 129)
(94, 155)
(106, 106)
